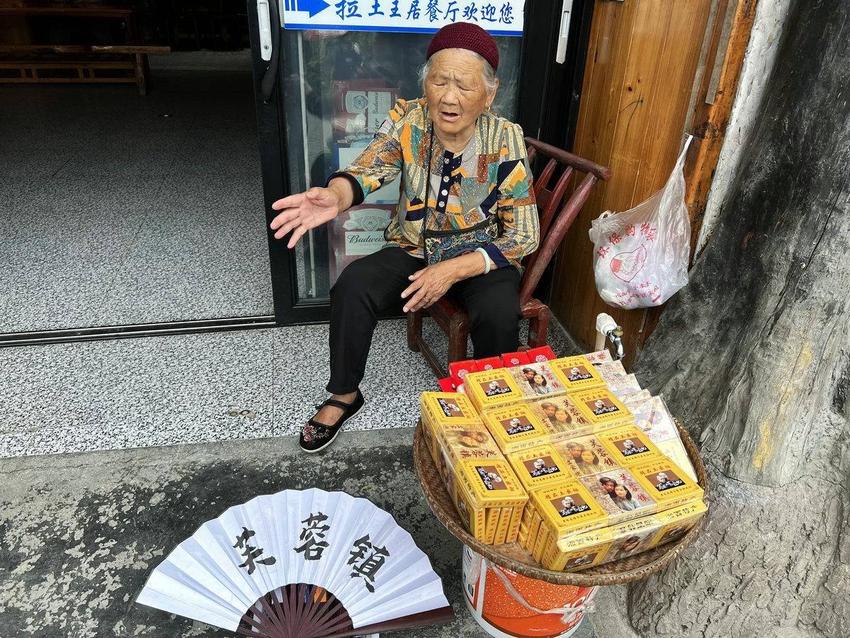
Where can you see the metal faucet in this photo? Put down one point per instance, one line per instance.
(608, 330)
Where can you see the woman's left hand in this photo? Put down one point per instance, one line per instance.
(429, 284)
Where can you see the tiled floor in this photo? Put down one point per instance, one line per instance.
(197, 388)
(116, 208)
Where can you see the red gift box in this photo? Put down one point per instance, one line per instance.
(447, 385)
(459, 369)
(543, 353)
(490, 363)
(512, 359)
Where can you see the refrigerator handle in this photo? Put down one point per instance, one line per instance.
(268, 20)
(564, 31)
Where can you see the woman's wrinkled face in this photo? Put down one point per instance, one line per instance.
(455, 91)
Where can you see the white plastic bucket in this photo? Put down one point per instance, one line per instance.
(509, 605)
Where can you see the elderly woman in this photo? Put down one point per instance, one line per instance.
(466, 218)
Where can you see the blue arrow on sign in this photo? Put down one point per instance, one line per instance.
(311, 6)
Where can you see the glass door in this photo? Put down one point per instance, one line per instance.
(333, 87)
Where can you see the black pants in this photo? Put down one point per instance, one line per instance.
(372, 285)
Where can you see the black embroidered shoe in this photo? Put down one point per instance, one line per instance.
(317, 436)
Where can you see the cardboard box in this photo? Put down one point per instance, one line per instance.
(481, 491)
(577, 373)
(628, 446)
(512, 359)
(543, 353)
(538, 380)
(625, 539)
(563, 417)
(492, 389)
(668, 484)
(516, 427)
(586, 455)
(567, 508)
(601, 408)
(439, 409)
(622, 496)
(539, 466)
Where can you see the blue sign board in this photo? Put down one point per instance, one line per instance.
(499, 17)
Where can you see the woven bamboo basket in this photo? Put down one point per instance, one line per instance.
(513, 557)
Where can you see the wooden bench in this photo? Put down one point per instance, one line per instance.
(63, 63)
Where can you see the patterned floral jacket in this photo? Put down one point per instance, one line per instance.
(480, 197)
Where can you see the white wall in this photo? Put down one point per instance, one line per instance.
(758, 65)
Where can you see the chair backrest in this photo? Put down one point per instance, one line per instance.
(556, 215)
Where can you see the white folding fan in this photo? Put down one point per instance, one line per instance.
(300, 563)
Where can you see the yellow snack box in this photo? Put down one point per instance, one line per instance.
(601, 408)
(491, 522)
(577, 373)
(539, 466)
(676, 522)
(675, 450)
(515, 427)
(502, 525)
(489, 484)
(563, 417)
(561, 551)
(514, 524)
(621, 494)
(440, 409)
(627, 539)
(492, 389)
(567, 508)
(583, 559)
(628, 445)
(668, 484)
(538, 379)
(454, 444)
(585, 455)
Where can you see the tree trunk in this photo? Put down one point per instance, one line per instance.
(754, 356)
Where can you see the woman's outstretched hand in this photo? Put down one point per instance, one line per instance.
(304, 211)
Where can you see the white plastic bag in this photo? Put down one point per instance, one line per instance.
(640, 256)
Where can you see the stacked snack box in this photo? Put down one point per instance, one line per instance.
(489, 499)
(596, 547)
(568, 456)
(479, 481)
(516, 427)
(620, 495)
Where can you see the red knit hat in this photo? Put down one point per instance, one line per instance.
(465, 35)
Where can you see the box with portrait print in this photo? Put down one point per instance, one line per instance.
(622, 496)
(539, 466)
(516, 427)
(628, 446)
(577, 373)
(482, 491)
(668, 484)
(567, 508)
(537, 380)
(586, 455)
(492, 389)
(456, 443)
(562, 416)
(601, 408)
(676, 522)
(439, 409)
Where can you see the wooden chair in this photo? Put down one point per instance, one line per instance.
(555, 220)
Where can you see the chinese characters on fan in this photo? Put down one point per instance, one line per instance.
(251, 553)
(365, 558)
(313, 535)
